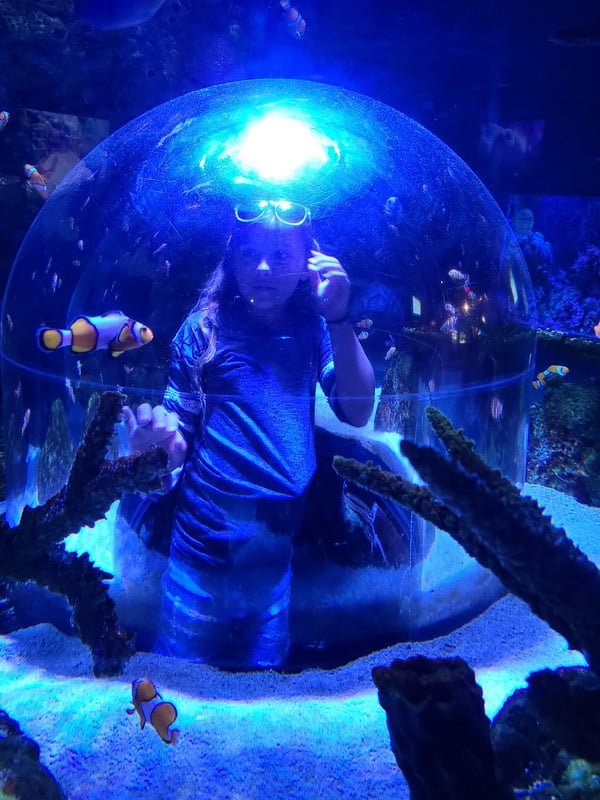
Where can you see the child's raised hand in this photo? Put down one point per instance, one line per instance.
(330, 285)
(155, 427)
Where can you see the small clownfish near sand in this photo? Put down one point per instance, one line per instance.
(296, 23)
(35, 180)
(553, 369)
(113, 331)
(153, 709)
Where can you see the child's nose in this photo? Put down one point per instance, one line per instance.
(263, 266)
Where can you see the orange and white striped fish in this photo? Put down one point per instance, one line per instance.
(296, 24)
(36, 181)
(153, 709)
(113, 331)
(553, 369)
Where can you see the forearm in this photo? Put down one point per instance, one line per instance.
(354, 377)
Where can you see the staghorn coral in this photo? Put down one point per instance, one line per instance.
(505, 531)
(33, 549)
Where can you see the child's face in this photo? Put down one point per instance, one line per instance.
(269, 262)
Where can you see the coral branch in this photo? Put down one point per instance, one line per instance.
(33, 550)
(506, 532)
(420, 500)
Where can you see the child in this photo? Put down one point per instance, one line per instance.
(237, 420)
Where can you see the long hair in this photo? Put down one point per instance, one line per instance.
(221, 289)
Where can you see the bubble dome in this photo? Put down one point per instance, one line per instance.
(441, 300)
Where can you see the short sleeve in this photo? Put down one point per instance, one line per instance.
(183, 393)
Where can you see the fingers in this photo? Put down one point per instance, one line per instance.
(144, 415)
(149, 426)
(321, 262)
(129, 419)
(322, 267)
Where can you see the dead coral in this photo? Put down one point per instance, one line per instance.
(505, 531)
(439, 732)
(544, 728)
(33, 549)
(21, 774)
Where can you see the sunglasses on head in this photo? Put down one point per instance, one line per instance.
(283, 210)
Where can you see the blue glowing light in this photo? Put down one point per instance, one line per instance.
(277, 148)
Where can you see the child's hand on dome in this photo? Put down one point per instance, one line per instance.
(330, 286)
(155, 427)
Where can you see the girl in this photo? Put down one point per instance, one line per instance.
(237, 422)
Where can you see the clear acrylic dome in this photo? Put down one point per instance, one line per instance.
(441, 300)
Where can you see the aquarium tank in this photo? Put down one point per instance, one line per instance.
(441, 302)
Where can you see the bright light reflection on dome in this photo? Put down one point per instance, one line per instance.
(277, 148)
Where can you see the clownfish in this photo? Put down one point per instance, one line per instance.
(153, 709)
(4, 118)
(35, 180)
(457, 275)
(553, 369)
(295, 21)
(113, 331)
(365, 325)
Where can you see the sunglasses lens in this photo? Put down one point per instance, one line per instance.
(291, 213)
(248, 213)
(283, 210)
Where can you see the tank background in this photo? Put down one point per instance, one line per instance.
(93, 81)
(447, 66)
(444, 66)
(563, 255)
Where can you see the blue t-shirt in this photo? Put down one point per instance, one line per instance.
(248, 417)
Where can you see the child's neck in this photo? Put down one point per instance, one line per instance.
(272, 318)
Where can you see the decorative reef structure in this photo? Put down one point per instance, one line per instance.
(21, 774)
(33, 551)
(564, 419)
(544, 742)
(438, 728)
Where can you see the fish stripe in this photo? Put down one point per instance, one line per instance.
(126, 337)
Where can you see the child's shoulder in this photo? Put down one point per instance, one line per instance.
(192, 334)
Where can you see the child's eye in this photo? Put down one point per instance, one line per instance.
(250, 254)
